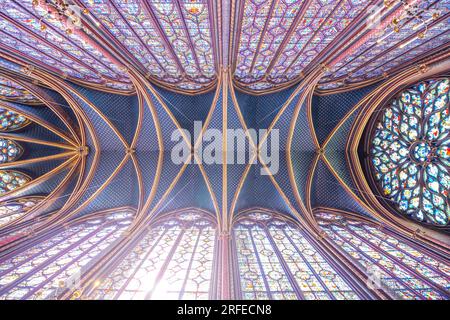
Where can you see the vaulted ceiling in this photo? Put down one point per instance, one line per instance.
(106, 91)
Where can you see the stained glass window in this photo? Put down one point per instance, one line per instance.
(38, 33)
(278, 39)
(10, 150)
(173, 260)
(13, 209)
(11, 180)
(11, 121)
(172, 40)
(410, 151)
(389, 50)
(392, 264)
(277, 261)
(39, 270)
(10, 90)
(10, 65)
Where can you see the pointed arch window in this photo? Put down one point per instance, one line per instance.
(395, 265)
(12, 121)
(11, 180)
(38, 271)
(278, 40)
(410, 152)
(172, 40)
(173, 260)
(10, 150)
(13, 209)
(28, 29)
(276, 260)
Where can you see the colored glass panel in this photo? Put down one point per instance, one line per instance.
(172, 40)
(41, 270)
(12, 210)
(391, 264)
(280, 38)
(11, 121)
(10, 150)
(410, 152)
(387, 50)
(10, 90)
(173, 260)
(276, 261)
